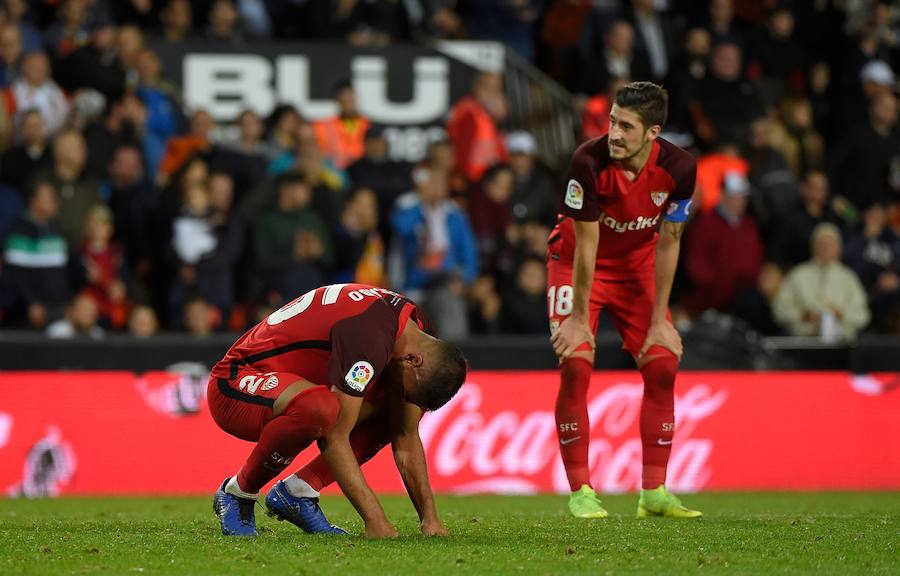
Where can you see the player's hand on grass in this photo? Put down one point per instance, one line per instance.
(434, 528)
(665, 335)
(380, 530)
(570, 335)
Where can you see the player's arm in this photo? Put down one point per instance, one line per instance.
(576, 329)
(340, 458)
(668, 247)
(409, 456)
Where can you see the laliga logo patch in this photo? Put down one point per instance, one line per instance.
(659, 197)
(574, 195)
(359, 376)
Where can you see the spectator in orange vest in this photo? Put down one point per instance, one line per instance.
(341, 138)
(473, 130)
(711, 171)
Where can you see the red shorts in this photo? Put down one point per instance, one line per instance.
(242, 405)
(629, 301)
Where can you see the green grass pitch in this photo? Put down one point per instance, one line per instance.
(748, 533)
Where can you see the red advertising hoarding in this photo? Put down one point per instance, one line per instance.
(120, 433)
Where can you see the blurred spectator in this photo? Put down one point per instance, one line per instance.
(245, 158)
(341, 137)
(524, 305)
(359, 249)
(143, 322)
(801, 146)
(77, 192)
(688, 70)
(862, 161)
(724, 249)
(790, 245)
(655, 37)
(81, 319)
(72, 29)
(35, 89)
(176, 18)
(435, 237)
(774, 186)
(616, 58)
(21, 162)
(34, 281)
(711, 170)
(181, 148)
(94, 64)
(442, 20)
(722, 24)
(490, 211)
(387, 178)
(873, 252)
(10, 54)
(753, 304)
(199, 318)
(283, 128)
(508, 21)
(224, 24)
(473, 126)
(292, 245)
(132, 201)
(822, 297)
(163, 116)
(206, 243)
(124, 121)
(484, 308)
(255, 17)
(560, 32)
(726, 103)
(533, 187)
(778, 57)
(595, 110)
(103, 263)
(11, 207)
(30, 38)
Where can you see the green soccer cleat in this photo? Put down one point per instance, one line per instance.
(661, 502)
(584, 503)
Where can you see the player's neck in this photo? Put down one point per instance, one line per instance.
(633, 165)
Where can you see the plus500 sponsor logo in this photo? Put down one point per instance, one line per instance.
(515, 452)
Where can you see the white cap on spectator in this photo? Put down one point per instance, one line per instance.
(878, 72)
(521, 142)
(735, 184)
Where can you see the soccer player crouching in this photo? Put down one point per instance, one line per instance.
(615, 248)
(351, 367)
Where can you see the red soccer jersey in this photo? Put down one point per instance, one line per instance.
(628, 211)
(340, 335)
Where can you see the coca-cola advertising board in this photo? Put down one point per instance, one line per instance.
(124, 433)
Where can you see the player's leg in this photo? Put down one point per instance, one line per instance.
(631, 305)
(296, 498)
(283, 414)
(572, 424)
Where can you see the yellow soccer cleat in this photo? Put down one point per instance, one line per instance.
(584, 503)
(661, 502)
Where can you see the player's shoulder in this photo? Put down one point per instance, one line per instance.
(675, 160)
(593, 153)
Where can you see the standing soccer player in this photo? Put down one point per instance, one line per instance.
(610, 251)
(351, 367)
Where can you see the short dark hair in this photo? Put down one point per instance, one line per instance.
(444, 377)
(649, 100)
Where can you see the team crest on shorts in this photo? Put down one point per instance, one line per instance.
(359, 376)
(659, 197)
(271, 382)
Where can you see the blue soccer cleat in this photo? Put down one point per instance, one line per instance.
(303, 513)
(236, 515)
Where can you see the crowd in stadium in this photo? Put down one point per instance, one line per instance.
(122, 210)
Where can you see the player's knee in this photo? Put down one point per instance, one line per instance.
(315, 409)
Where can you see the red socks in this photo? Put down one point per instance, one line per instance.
(572, 424)
(657, 415)
(367, 439)
(308, 416)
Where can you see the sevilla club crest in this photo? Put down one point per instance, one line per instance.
(659, 197)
